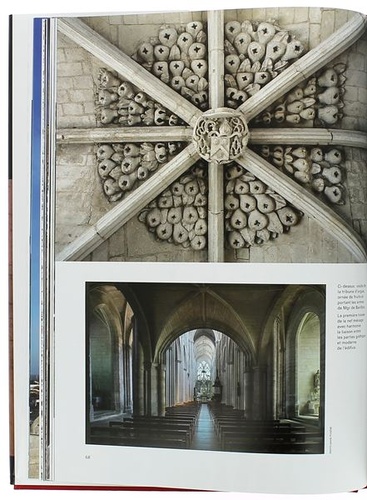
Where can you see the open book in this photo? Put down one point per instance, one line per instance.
(189, 250)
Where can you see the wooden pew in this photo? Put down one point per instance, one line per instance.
(102, 435)
(268, 445)
(184, 422)
(263, 436)
(159, 428)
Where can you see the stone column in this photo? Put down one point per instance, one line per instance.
(257, 395)
(137, 360)
(126, 378)
(91, 407)
(275, 394)
(322, 369)
(168, 359)
(154, 389)
(248, 391)
(240, 380)
(146, 387)
(139, 407)
(230, 383)
(161, 372)
(178, 382)
(281, 382)
(291, 377)
(223, 379)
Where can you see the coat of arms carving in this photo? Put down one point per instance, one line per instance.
(221, 135)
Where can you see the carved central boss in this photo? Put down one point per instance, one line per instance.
(221, 135)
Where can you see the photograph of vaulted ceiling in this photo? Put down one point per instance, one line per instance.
(235, 136)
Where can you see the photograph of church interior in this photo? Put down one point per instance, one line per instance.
(220, 136)
(220, 367)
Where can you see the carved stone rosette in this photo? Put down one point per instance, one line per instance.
(221, 135)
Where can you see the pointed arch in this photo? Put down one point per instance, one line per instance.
(310, 304)
(283, 302)
(218, 315)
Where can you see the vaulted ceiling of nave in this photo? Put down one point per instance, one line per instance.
(239, 311)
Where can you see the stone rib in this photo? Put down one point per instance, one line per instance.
(216, 58)
(215, 171)
(309, 136)
(124, 134)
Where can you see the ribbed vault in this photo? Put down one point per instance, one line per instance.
(287, 198)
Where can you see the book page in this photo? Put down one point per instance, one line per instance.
(202, 240)
(77, 460)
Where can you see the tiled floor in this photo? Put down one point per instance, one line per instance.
(205, 437)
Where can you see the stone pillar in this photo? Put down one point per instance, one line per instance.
(126, 378)
(147, 387)
(161, 372)
(291, 405)
(172, 378)
(223, 378)
(322, 369)
(280, 334)
(139, 387)
(275, 394)
(134, 374)
(239, 380)
(248, 383)
(116, 345)
(154, 389)
(230, 383)
(257, 394)
(168, 362)
(281, 384)
(178, 382)
(91, 407)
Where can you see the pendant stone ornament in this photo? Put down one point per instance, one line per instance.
(221, 135)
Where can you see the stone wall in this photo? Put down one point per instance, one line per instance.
(355, 97)
(79, 199)
(357, 189)
(76, 78)
(134, 243)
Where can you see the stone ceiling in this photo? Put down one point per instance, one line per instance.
(219, 132)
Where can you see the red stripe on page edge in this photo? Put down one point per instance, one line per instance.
(100, 488)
